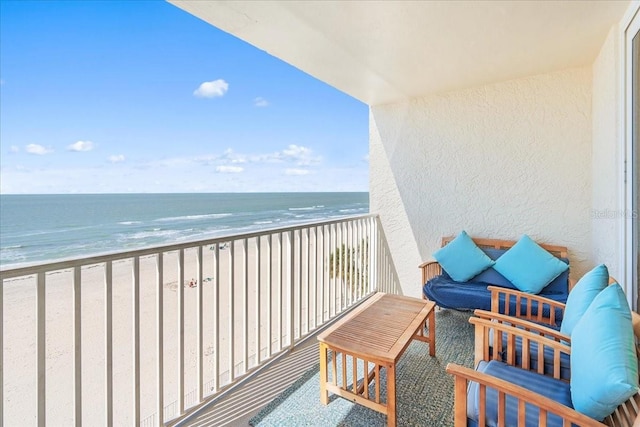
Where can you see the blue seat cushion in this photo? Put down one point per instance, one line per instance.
(448, 293)
(557, 390)
(565, 359)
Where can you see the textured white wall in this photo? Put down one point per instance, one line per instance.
(606, 217)
(498, 161)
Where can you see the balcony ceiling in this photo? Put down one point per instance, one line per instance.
(387, 51)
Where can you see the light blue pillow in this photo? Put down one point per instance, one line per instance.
(528, 266)
(582, 295)
(604, 367)
(462, 259)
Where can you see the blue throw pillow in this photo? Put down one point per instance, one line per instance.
(604, 367)
(529, 267)
(582, 295)
(462, 259)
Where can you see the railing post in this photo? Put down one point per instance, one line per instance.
(269, 296)
(160, 338)
(41, 349)
(291, 275)
(216, 317)
(245, 304)
(298, 313)
(108, 320)
(2, 331)
(181, 280)
(324, 263)
(279, 288)
(136, 340)
(77, 346)
(315, 277)
(200, 311)
(308, 279)
(258, 278)
(232, 287)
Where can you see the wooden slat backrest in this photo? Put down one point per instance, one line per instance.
(555, 250)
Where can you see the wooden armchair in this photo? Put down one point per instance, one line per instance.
(533, 308)
(531, 312)
(532, 408)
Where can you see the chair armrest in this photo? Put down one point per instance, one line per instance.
(523, 324)
(506, 334)
(542, 303)
(462, 376)
(430, 269)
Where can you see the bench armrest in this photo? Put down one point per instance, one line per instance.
(523, 324)
(462, 376)
(504, 337)
(430, 269)
(542, 303)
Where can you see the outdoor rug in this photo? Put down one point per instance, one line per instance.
(424, 391)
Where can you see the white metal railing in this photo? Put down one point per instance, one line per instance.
(201, 316)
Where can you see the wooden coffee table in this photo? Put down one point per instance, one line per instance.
(373, 336)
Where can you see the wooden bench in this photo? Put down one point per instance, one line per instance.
(432, 268)
(476, 293)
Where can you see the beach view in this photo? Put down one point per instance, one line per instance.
(158, 220)
(221, 213)
(122, 143)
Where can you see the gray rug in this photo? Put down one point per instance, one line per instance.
(424, 390)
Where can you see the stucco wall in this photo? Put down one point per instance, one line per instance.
(498, 161)
(606, 215)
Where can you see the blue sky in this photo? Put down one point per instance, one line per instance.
(140, 96)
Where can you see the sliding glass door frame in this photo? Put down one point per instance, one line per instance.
(630, 172)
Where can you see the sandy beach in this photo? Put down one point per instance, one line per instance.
(20, 330)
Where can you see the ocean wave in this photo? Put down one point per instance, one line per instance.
(308, 208)
(45, 232)
(194, 217)
(352, 210)
(262, 222)
(12, 247)
(130, 222)
(151, 234)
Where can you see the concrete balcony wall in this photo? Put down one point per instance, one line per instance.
(607, 222)
(498, 161)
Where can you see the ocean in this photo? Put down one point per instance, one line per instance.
(39, 228)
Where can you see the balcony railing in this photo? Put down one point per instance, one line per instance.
(143, 337)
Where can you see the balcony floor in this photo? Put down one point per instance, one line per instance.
(241, 404)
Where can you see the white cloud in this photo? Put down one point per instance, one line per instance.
(37, 149)
(212, 89)
(116, 158)
(297, 172)
(229, 169)
(233, 157)
(14, 149)
(303, 156)
(81, 146)
(260, 102)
